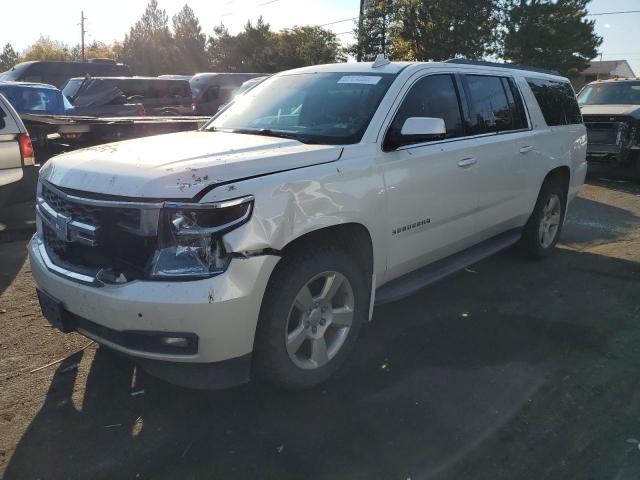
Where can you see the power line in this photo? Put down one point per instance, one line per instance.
(266, 3)
(338, 21)
(611, 13)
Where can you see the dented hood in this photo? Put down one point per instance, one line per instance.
(614, 110)
(179, 165)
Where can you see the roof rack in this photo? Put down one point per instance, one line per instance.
(515, 66)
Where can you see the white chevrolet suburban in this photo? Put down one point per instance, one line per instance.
(259, 244)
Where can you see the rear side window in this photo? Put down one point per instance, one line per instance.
(495, 105)
(432, 96)
(557, 102)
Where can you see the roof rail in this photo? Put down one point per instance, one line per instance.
(515, 66)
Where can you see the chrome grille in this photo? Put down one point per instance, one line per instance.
(83, 213)
(94, 234)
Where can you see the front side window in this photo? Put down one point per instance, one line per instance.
(328, 108)
(432, 96)
(493, 105)
(557, 102)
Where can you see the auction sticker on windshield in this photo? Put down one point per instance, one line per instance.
(366, 79)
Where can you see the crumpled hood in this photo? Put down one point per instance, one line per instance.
(179, 165)
(626, 110)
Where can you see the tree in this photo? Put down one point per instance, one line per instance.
(8, 58)
(442, 29)
(373, 29)
(95, 49)
(550, 34)
(190, 42)
(307, 45)
(46, 49)
(148, 47)
(258, 49)
(252, 50)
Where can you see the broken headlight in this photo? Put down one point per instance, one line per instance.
(189, 242)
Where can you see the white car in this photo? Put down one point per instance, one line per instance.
(16, 151)
(260, 244)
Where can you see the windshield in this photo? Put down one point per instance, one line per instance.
(16, 72)
(328, 108)
(623, 93)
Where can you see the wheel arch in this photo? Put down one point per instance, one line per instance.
(561, 174)
(352, 237)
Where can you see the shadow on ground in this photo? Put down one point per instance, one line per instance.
(433, 376)
(13, 256)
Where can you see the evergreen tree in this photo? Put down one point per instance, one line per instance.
(550, 34)
(190, 42)
(8, 58)
(373, 29)
(149, 47)
(442, 29)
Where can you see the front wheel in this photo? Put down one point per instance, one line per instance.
(312, 312)
(542, 231)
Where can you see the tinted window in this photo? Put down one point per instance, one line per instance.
(516, 104)
(493, 106)
(432, 96)
(557, 102)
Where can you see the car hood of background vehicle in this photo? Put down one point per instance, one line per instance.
(626, 110)
(179, 165)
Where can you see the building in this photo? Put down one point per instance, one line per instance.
(602, 70)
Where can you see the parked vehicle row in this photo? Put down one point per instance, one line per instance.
(259, 244)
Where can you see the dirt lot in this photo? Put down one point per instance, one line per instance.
(511, 369)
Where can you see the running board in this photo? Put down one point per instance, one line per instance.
(418, 279)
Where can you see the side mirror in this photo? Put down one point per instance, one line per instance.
(415, 130)
(423, 127)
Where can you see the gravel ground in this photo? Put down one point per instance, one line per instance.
(510, 369)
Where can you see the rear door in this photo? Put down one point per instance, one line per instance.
(499, 121)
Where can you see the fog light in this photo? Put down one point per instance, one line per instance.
(175, 341)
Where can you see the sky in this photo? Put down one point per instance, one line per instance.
(110, 20)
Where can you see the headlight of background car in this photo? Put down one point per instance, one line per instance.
(190, 237)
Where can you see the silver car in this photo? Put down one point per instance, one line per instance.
(16, 150)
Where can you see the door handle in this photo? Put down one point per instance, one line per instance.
(467, 162)
(526, 149)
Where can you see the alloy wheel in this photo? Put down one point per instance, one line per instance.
(550, 221)
(319, 321)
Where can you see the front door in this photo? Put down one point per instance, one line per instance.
(430, 184)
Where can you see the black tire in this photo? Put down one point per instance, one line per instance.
(530, 243)
(271, 361)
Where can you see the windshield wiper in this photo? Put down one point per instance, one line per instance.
(272, 133)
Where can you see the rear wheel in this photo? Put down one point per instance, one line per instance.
(312, 312)
(542, 231)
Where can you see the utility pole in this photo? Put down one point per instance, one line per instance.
(360, 33)
(82, 32)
